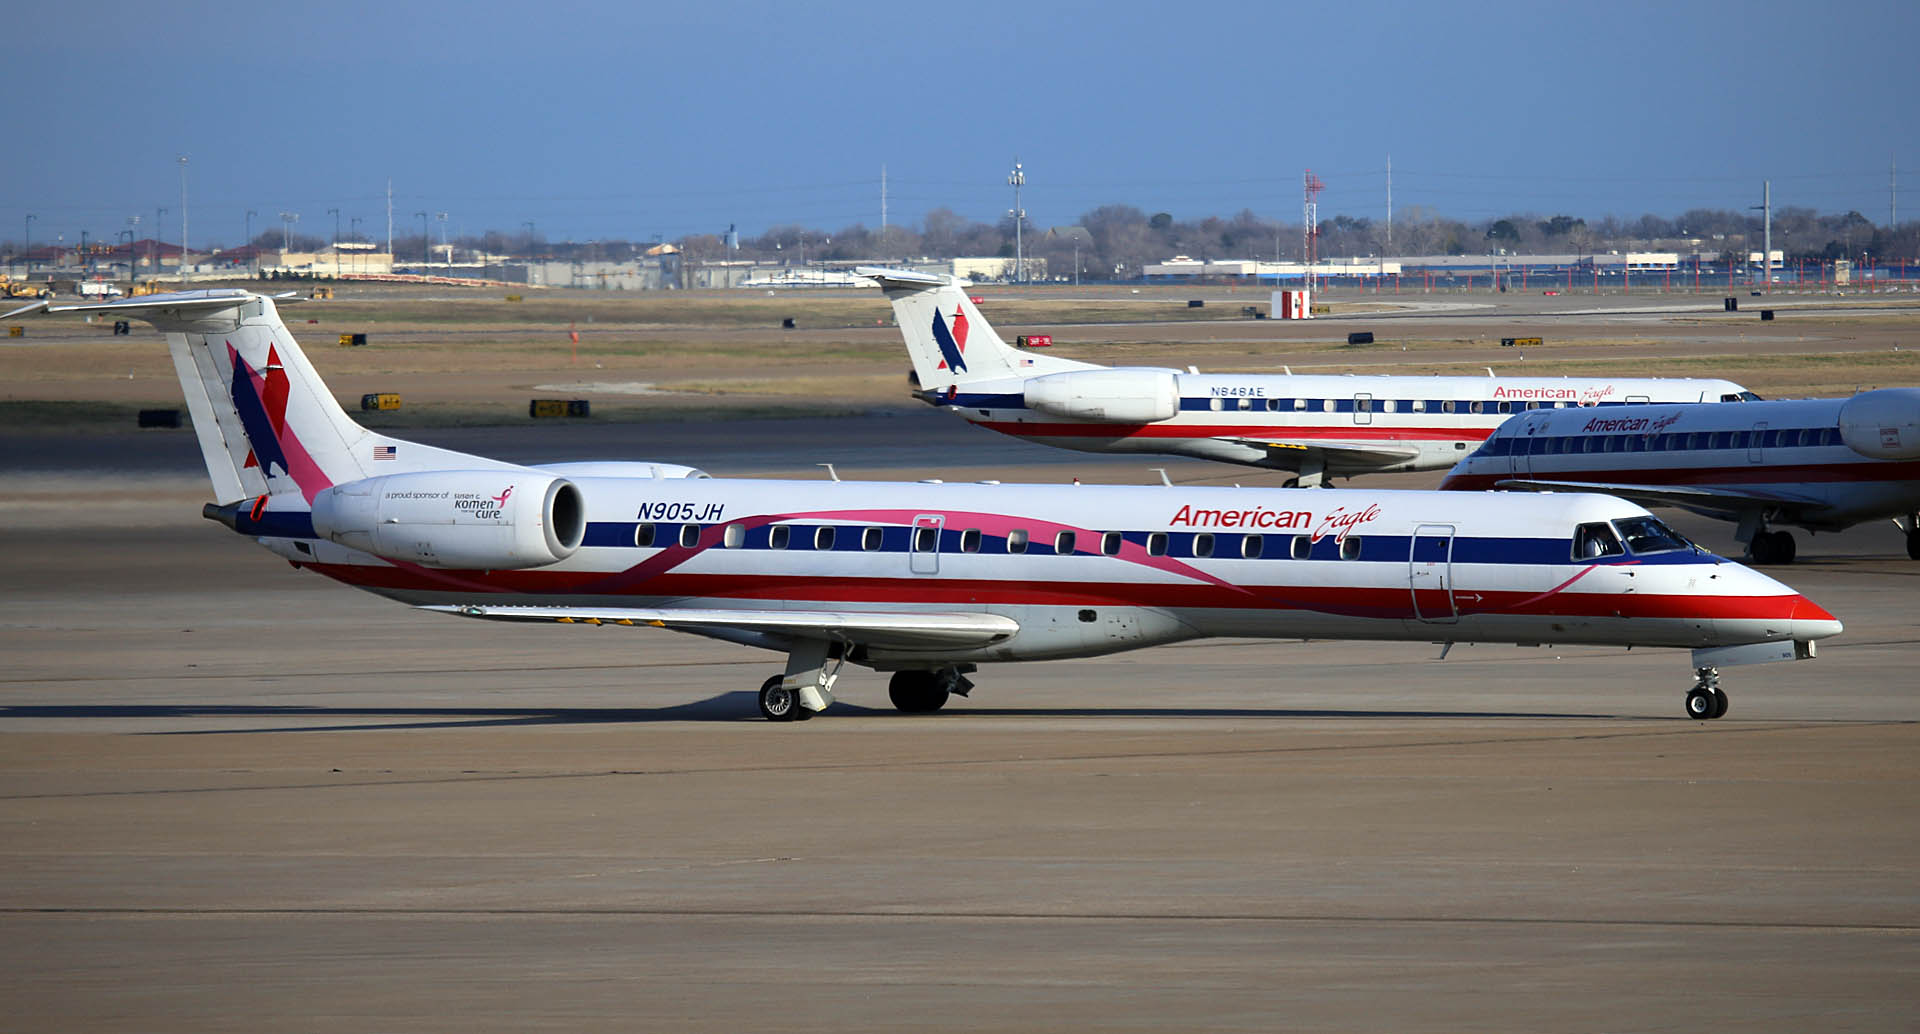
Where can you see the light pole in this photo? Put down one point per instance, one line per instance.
(29, 246)
(442, 216)
(133, 222)
(153, 254)
(335, 212)
(1017, 179)
(183, 217)
(252, 252)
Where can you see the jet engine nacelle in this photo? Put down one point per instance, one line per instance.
(1883, 424)
(1115, 396)
(493, 520)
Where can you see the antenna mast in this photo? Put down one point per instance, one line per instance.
(1310, 246)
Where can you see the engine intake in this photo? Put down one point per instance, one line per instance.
(1112, 396)
(464, 519)
(1883, 424)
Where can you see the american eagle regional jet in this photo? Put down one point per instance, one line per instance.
(927, 581)
(1318, 425)
(1818, 464)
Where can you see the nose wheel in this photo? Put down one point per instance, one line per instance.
(1706, 700)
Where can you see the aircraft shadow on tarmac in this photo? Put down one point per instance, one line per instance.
(725, 707)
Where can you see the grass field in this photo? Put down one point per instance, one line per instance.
(464, 357)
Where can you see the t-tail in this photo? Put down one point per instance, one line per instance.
(952, 345)
(267, 426)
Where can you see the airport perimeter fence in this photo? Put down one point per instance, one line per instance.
(1794, 278)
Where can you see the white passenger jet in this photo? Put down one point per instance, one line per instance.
(1317, 425)
(927, 580)
(1818, 464)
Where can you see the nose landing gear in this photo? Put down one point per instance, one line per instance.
(1706, 700)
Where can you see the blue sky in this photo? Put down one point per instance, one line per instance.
(669, 119)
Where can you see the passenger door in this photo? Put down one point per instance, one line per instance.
(923, 548)
(1363, 408)
(1430, 574)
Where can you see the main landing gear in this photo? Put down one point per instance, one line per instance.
(814, 666)
(1913, 536)
(1776, 547)
(1706, 699)
(924, 692)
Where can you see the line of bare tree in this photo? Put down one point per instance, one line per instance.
(1116, 241)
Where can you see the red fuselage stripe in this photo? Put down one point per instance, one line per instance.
(931, 591)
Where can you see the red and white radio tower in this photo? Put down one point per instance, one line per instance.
(1310, 247)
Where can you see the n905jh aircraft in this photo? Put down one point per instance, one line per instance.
(1317, 425)
(1818, 464)
(927, 580)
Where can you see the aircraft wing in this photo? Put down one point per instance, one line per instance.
(1694, 497)
(1339, 457)
(872, 628)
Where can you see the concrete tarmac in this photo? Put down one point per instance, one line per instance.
(239, 797)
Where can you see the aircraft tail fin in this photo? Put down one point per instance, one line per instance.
(265, 421)
(950, 342)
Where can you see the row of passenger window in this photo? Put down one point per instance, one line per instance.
(873, 539)
(1557, 445)
(1369, 404)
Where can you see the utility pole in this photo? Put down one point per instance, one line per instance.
(1766, 254)
(183, 218)
(1389, 206)
(335, 212)
(1017, 179)
(426, 240)
(29, 245)
(883, 202)
(1893, 193)
(389, 224)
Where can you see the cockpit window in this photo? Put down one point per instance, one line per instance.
(1647, 535)
(1593, 541)
(1745, 396)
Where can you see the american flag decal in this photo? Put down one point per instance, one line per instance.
(384, 452)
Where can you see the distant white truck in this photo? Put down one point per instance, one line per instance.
(98, 289)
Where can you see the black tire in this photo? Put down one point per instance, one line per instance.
(1760, 550)
(916, 692)
(1719, 703)
(1700, 704)
(1784, 547)
(1913, 544)
(778, 704)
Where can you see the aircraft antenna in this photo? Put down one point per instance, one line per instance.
(1164, 479)
(830, 471)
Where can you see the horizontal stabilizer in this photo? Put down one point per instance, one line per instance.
(161, 310)
(902, 631)
(904, 279)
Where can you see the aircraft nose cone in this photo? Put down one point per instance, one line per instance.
(1811, 620)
